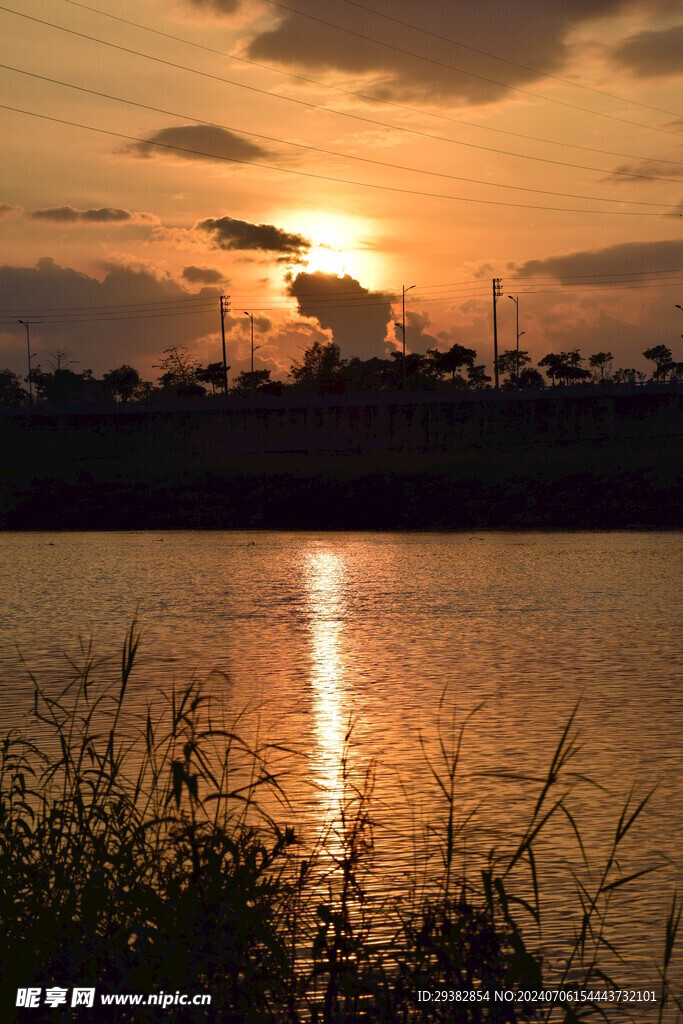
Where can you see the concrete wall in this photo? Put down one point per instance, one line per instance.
(345, 423)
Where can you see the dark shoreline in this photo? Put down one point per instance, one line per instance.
(564, 462)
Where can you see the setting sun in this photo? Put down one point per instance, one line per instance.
(329, 261)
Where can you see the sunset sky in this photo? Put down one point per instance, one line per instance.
(311, 158)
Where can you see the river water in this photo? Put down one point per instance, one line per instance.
(307, 632)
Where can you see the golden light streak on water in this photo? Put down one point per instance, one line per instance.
(324, 582)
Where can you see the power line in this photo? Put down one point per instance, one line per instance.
(606, 273)
(329, 152)
(378, 297)
(113, 318)
(323, 177)
(483, 294)
(159, 304)
(630, 286)
(338, 113)
(369, 97)
(503, 60)
(470, 74)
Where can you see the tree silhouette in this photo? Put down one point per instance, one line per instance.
(247, 381)
(320, 368)
(507, 364)
(477, 378)
(530, 379)
(213, 374)
(123, 382)
(64, 387)
(565, 367)
(552, 364)
(372, 374)
(627, 375)
(451, 361)
(661, 356)
(12, 393)
(601, 361)
(179, 372)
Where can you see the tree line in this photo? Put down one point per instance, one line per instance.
(321, 370)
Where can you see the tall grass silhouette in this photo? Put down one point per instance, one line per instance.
(151, 859)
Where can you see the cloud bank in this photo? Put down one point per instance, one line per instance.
(198, 142)
(233, 234)
(203, 275)
(652, 54)
(67, 215)
(532, 34)
(356, 316)
(640, 259)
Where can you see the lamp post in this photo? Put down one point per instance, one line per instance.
(28, 348)
(403, 328)
(515, 299)
(251, 317)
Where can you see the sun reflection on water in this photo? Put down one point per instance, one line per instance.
(324, 574)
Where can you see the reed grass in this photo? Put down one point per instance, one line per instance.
(172, 875)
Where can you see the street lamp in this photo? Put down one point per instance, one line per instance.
(515, 299)
(28, 347)
(251, 317)
(403, 328)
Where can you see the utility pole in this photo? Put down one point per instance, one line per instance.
(225, 308)
(497, 292)
(28, 348)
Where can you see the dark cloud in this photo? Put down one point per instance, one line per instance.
(356, 316)
(230, 233)
(198, 142)
(532, 33)
(652, 54)
(104, 342)
(5, 208)
(627, 258)
(67, 214)
(650, 168)
(203, 275)
(217, 6)
(105, 215)
(418, 338)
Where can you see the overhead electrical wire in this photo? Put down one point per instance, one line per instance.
(471, 74)
(380, 296)
(368, 97)
(143, 306)
(329, 152)
(68, 318)
(324, 177)
(338, 113)
(503, 60)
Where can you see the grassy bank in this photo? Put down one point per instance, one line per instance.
(166, 859)
(582, 485)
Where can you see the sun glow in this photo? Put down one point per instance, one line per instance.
(339, 245)
(327, 260)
